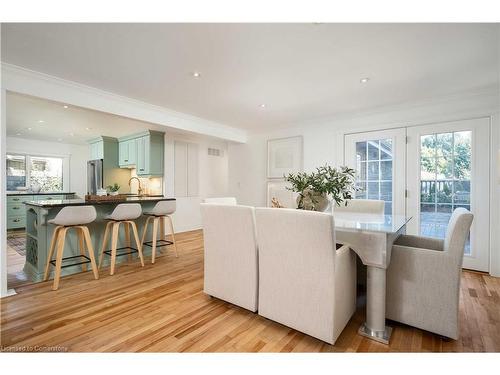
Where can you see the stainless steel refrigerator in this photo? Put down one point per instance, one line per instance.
(95, 176)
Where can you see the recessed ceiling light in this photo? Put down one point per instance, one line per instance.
(18, 133)
(196, 74)
(41, 121)
(88, 128)
(65, 106)
(29, 128)
(364, 80)
(262, 106)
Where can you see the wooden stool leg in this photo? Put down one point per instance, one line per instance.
(162, 230)
(60, 250)
(145, 229)
(127, 238)
(114, 242)
(155, 233)
(104, 242)
(51, 252)
(90, 250)
(172, 234)
(139, 244)
(81, 245)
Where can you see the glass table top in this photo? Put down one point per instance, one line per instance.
(355, 221)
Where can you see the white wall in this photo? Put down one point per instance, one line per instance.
(78, 156)
(212, 178)
(323, 143)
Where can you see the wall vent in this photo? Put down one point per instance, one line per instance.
(215, 152)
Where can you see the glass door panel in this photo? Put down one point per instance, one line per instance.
(445, 170)
(448, 167)
(379, 161)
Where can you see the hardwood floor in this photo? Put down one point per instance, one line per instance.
(162, 308)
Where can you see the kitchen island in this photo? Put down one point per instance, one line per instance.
(39, 231)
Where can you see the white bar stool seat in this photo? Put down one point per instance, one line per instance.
(161, 211)
(124, 213)
(76, 217)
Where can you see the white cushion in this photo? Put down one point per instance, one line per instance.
(74, 215)
(163, 208)
(125, 211)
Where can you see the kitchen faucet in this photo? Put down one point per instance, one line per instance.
(139, 190)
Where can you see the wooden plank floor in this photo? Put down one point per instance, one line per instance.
(162, 308)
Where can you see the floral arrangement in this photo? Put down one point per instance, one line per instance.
(316, 188)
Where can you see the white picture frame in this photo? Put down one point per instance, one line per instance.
(278, 189)
(284, 156)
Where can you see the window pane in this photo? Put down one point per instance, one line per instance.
(385, 149)
(361, 171)
(444, 168)
(386, 191)
(444, 145)
(461, 192)
(386, 170)
(16, 171)
(361, 151)
(46, 172)
(444, 191)
(373, 147)
(428, 191)
(373, 170)
(361, 193)
(373, 192)
(462, 152)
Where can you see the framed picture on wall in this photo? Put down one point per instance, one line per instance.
(278, 190)
(284, 156)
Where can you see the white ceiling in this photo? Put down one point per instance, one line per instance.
(34, 118)
(299, 71)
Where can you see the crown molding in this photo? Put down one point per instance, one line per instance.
(30, 82)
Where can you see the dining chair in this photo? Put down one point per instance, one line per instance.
(306, 281)
(221, 200)
(230, 259)
(366, 206)
(423, 279)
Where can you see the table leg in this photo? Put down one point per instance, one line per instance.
(374, 327)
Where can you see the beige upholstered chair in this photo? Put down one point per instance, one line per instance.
(423, 279)
(365, 206)
(306, 281)
(222, 200)
(230, 253)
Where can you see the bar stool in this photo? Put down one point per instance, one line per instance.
(123, 213)
(71, 217)
(160, 212)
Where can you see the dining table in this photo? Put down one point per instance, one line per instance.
(371, 237)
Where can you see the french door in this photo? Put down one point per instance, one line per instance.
(426, 172)
(448, 167)
(379, 160)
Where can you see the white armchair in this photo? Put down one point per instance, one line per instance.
(230, 253)
(306, 281)
(423, 279)
(365, 206)
(221, 200)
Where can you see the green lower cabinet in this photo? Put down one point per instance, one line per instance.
(16, 222)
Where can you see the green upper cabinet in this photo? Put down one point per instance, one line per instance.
(105, 148)
(144, 151)
(128, 153)
(96, 149)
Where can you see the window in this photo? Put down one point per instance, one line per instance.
(31, 170)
